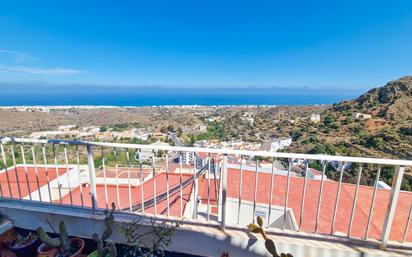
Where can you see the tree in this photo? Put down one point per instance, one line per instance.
(405, 185)
(407, 131)
(328, 120)
(322, 149)
(170, 128)
(315, 165)
(374, 141)
(179, 131)
(160, 153)
(192, 139)
(334, 125)
(163, 129)
(295, 135)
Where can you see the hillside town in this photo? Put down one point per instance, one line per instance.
(205, 128)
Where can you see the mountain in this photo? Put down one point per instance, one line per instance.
(389, 131)
(376, 124)
(384, 131)
(392, 101)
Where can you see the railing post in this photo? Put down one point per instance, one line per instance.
(393, 200)
(92, 176)
(224, 192)
(195, 188)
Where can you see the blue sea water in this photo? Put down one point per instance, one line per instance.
(153, 96)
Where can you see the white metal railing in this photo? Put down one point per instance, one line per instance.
(67, 156)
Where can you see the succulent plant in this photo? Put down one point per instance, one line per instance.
(269, 244)
(63, 242)
(22, 240)
(106, 248)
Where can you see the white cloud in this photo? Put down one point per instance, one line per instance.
(15, 56)
(40, 71)
(8, 57)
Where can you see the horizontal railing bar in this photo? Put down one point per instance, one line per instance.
(320, 157)
(84, 211)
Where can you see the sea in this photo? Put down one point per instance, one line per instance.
(157, 96)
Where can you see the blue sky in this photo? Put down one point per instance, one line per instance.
(322, 44)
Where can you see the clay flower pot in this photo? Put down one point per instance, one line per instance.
(80, 243)
(8, 237)
(25, 249)
(46, 251)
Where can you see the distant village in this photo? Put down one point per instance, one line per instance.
(150, 135)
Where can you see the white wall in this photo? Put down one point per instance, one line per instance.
(247, 215)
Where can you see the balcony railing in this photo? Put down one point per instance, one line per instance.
(221, 186)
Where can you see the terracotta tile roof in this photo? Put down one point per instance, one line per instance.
(279, 190)
(174, 207)
(123, 172)
(327, 203)
(32, 183)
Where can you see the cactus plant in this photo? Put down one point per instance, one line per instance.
(62, 242)
(106, 248)
(269, 244)
(66, 246)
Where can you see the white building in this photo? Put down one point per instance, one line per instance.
(364, 116)
(383, 185)
(187, 157)
(315, 174)
(276, 144)
(200, 143)
(54, 134)
(106, 135)
(126, 134)
(143, 136)
(66, 127)
(250, 120)
(159, 143)
(89, 131)
(202, 128)
(315, 118)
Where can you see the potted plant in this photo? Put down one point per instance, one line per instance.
(147, 242)
(66, 247)
(45, 251)
(269, 244)
(105, 248)
(5, 239)
(25, 246)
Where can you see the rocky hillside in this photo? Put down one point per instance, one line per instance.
(387, 132)
(385, 129)
(392, 101)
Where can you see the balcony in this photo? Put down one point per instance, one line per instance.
(215, 193)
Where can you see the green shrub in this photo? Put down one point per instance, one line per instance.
(322, 149)
(406, 131)
(315, 165)
(328, 120)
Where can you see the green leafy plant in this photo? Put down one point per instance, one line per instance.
(269, 244)
(145, 242)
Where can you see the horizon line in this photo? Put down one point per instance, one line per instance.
(103, 86)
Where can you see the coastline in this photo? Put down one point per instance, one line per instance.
(62, 107)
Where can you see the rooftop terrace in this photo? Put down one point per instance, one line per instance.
(216, 199)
